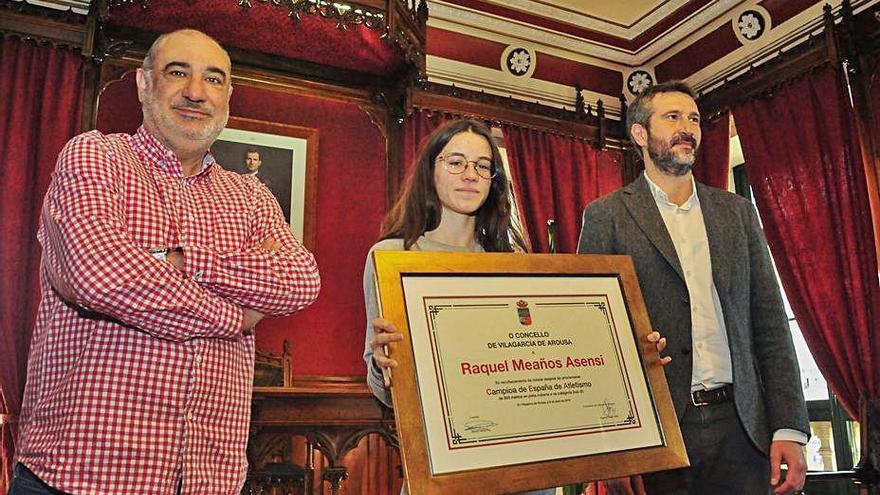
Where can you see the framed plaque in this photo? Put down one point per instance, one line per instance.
(283, 157)
(523, 371)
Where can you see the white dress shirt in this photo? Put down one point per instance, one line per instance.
(712, 366)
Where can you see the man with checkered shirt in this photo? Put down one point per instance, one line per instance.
(157, 264)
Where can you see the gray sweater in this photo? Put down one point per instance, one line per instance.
(371, 302)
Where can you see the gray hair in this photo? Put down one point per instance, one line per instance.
(639, 112)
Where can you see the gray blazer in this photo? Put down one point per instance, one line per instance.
(766, 379)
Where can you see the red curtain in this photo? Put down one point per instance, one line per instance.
(872, 162)
(417, 127)
(804, 163)
(554, 177)
(40, 100)
(713, 165)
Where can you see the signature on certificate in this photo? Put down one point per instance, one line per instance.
(608, 410)
(477, 425)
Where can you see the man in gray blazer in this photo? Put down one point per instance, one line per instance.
(709, 287)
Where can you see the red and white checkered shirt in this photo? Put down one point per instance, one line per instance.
(139, 376)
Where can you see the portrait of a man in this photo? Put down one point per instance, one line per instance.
(269, 165)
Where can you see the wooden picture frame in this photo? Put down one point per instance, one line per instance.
(289, 166)
(520, 326)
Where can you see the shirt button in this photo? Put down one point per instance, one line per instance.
(198, 359)
(189, 416)
(197, 276)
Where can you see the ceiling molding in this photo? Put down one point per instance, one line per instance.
(747, 57)
(56, 26)
(591, 22)
(494, 81)
(489, 26)
(75, 6)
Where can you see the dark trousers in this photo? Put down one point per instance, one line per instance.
(723, 459)
(24, 482)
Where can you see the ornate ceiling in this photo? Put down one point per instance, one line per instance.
(539, 50)
(543, 50)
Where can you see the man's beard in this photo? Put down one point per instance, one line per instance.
(665, 158)
(162, 117)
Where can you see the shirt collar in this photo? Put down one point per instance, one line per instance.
(662, 199)
(156, 152)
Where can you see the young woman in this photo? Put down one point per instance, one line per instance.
(456, 199)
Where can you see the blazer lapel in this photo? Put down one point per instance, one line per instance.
(719, 226)
(641, 205)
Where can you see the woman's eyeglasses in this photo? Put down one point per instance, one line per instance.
(456, 163)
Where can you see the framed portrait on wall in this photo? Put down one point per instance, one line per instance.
(281, 156)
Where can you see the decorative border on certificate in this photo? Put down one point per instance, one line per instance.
(462, 326)
(522, 371)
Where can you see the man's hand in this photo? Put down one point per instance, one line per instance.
(655, 338)
(791, 454)
(384, 333)
(270, 244)
(632, 485)
(176, 259)
(250, 320)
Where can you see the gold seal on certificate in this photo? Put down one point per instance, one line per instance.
(524, 368)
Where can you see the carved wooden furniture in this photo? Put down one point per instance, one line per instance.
(332, 414)
(293, 421)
